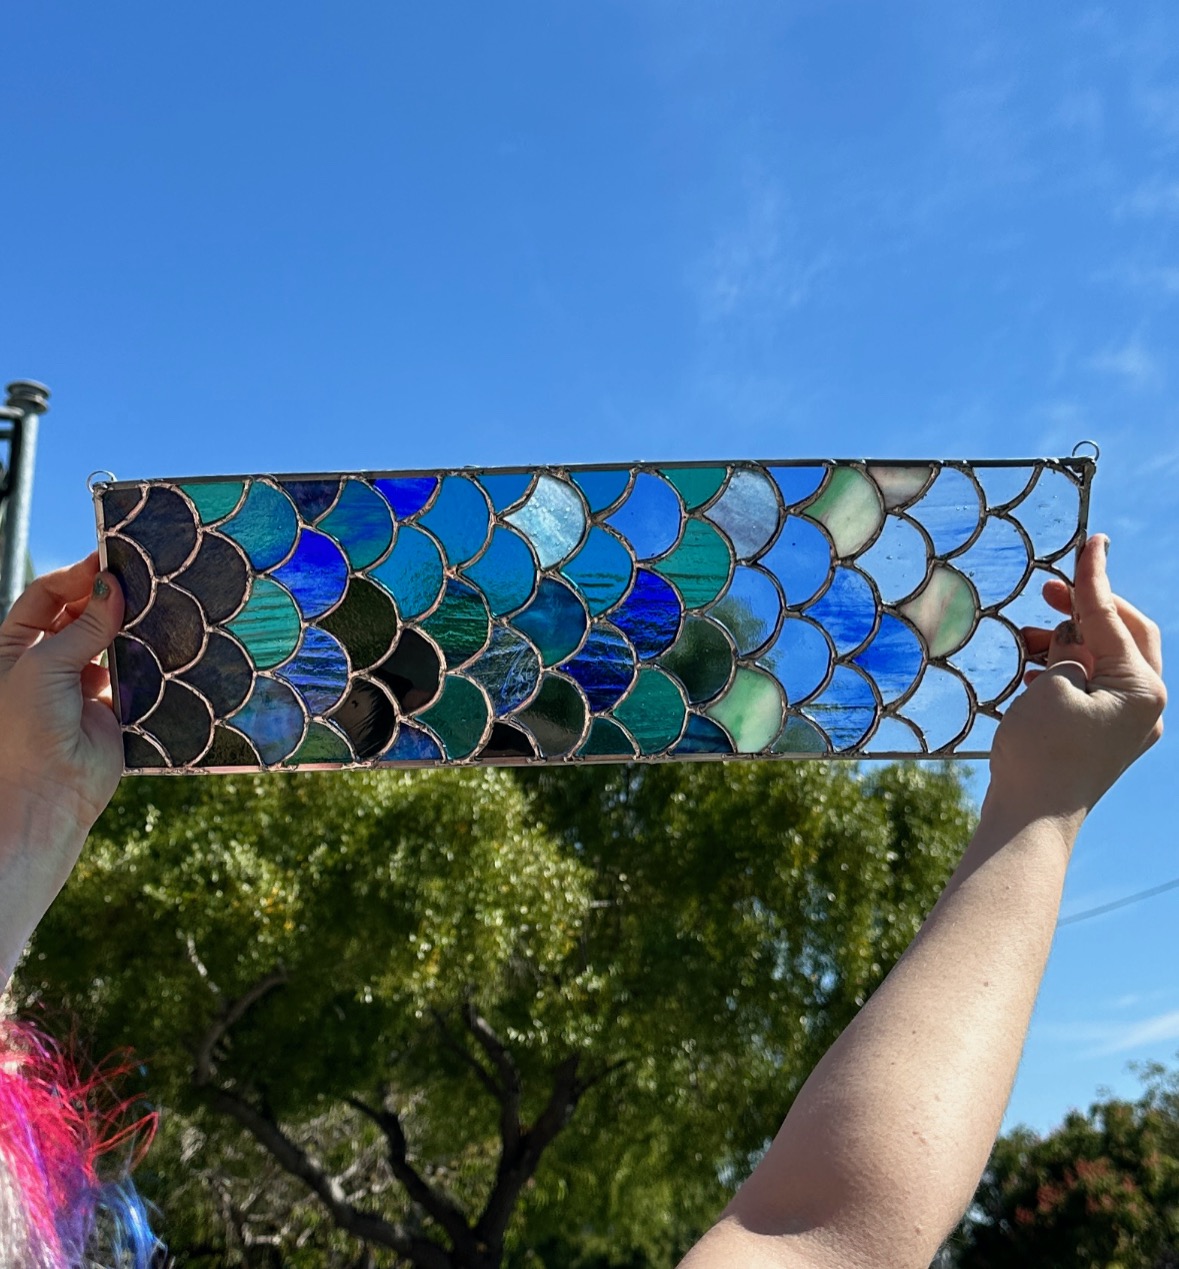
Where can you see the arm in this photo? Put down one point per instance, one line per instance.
(884, 1145)
(61, 753)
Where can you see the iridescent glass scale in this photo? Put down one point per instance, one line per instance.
(566, 614)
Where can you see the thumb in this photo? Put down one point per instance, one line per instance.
(91, 633)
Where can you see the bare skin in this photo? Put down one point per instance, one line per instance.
(885, 1143)
(61, 754)
(884, 1146)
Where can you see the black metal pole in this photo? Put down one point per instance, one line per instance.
(27, 401)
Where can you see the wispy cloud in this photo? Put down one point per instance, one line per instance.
(1159, 104)
(1135, 1035)
(1165, 463)
(1152, 199)
(1132, 999)
(1132, 276)
(1081, 110)
(756, 266)
(1140, 40)
(1061, 423)
(980, 124)
(1101, 1039)
(1130, 361)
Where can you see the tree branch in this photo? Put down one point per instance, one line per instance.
(605, 1073)
(227, 1016)
(263, 1127)
(509, 1091)
(422, 1252)
(464, 1054)
(518, 1164)
(433, 1202)
(199, 965)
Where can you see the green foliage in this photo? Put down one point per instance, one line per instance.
(382, 895)
(749, 909)
(387, 899)
(1099, 1192)
(694, 935)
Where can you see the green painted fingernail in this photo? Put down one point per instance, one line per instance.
(101, 589)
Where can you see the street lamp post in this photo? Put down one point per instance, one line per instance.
(19, 417)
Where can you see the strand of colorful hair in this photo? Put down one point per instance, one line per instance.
(68, 1143)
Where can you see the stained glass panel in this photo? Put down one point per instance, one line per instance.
(692, 611)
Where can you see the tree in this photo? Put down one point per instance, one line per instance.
(1102, 1190)
(748, 910)
(474, 1019)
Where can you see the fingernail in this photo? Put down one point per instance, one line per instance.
(1068, 632)
(1105, 544)
(101, 588)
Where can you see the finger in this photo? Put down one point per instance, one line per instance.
(94, 631)
(71, 612)
(1142, 630)
(36, 609)
(1037, 641)
(1059, 595)
(1106, 635)
(1067, 647)
(1072, 671)
(96, 683)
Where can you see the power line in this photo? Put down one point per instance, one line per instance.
(1120, 903)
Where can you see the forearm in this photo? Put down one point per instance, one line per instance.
(885, 1143)
(40, 841)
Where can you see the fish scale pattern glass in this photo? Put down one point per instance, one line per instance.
(694, 611)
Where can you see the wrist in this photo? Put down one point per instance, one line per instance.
(1007, 814)
(47, 808)
(39, 823)
(40, 841)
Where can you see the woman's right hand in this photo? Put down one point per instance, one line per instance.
(60, 742)
(61, 751)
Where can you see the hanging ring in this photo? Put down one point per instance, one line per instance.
(1092, 444)
(93, 480)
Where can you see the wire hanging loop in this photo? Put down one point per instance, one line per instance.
(96, 478)
(1080, 445)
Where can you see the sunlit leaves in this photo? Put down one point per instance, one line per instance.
(703, 931)
(1101, 1189)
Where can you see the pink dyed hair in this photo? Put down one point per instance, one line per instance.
(57, 1124)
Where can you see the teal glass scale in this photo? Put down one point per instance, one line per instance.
(596, 614)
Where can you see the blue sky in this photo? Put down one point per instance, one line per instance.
(303, 237)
